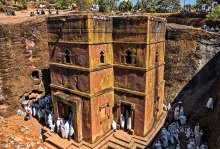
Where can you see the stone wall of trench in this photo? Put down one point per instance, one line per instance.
(24, 69)
(192, 72)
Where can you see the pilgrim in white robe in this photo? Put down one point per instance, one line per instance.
(182, 120)
(164, 108)
(177, 146)
(43, 102)
(71, 131)
(173, 128)
(46, 99)
(164, 140)
(66, 133)
(46, 119)
(198, 138)
(58, 125)
(196, 130)
(43, 112)
(62, 130)
(175, 134)
(210, 103)
(176, 114)
(204, 146)
(164, 131)
(188, 133)
(114, 125)
(127, 115)
(40, 103)
(181, 129)
(19, 112)
(52, 127)
(171, 138)
(49, 119)
(63, 120)
(158, 145)
(39, 115)
(129, 123)
(181, 111)
(122, 121)
(177, 125)
(34, 111)
(168, 107)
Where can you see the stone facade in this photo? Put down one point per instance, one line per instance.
(102, 66)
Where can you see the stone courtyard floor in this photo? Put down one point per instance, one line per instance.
(16, 135)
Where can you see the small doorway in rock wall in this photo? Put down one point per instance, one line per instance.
(64, 110)
(125, 108)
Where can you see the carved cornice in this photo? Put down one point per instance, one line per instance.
(70, 66)
(106, 42)
(79, 93)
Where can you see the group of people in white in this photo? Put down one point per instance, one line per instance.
(95, 8)
(123, 119)
(174, 129)
(42, 109)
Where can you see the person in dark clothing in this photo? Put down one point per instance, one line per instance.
(13, 13)
(50, 12)
(204, 27)
(57, 12)
(216, 29)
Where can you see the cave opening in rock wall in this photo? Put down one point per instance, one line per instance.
(35, 74)
(26, 97)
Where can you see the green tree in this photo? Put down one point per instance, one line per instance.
(2, 8)
(23, 3)
(113, 5)
(62, 4)
(169, 5)
(137, 6)
(129, 5)
(126, 6)
(104, 6)
(214, 15)
(201, 2)
(122, 6)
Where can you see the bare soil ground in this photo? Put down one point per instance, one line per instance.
(21, 16)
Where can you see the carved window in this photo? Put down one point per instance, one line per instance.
(128, 57)
(156, 59)
(67, 56)
(102, 58)
(104, 110)
(158, 24)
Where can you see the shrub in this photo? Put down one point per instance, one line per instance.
(2, 8)
(23, 3)
(214, 15)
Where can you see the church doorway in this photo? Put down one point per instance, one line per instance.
(127, 112)
(64, 110)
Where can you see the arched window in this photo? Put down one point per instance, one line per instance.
(128, 57)
(102, 58)
(156, 59)
(67, 56)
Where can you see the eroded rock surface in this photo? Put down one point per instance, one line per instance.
(192, 75)
(24, 69)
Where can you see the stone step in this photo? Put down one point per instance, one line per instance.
(49, 145)
(103, 138)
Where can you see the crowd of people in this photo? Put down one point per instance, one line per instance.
(212, 29)
(194, 138)
(10, 12)
(43, 111)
